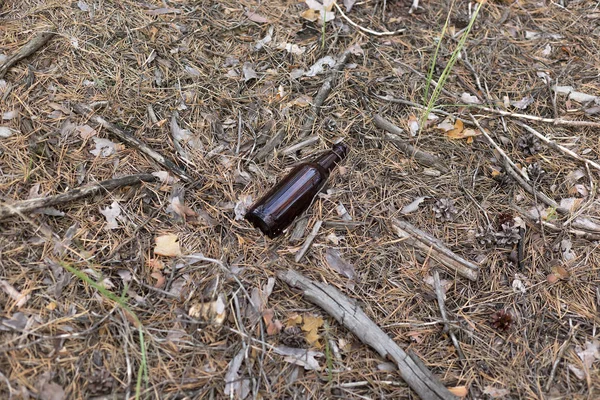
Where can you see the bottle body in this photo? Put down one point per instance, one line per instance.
(291, 196)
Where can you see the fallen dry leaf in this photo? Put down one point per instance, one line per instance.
(293, 320)
(304, 358)
(111, 213)
(160, 279)
(413, 206)
(274, 326)
(104, 147)
(469, 98)
(338, 264)
(86, 131)
(460, 391)
(14, 294)
(249, 72)
(255, 17)
(495, 393)
(311, 327)
(167, 245)
(413, 125)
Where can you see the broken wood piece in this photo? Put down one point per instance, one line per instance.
(322, 94)
(440, 298)
(349, 314)
(270, 146)
(28, 49)
(408, 149)
(308, 142)
(435, 248)
(309, 240)
(20, 207)
(131, 140)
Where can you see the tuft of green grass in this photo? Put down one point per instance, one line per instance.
(121, 302)
(455, 54)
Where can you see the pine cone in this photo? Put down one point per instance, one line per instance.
(444, 209)
(535, 171)
(529, 144)
(292, 336)
(508, 235)
(100, 382)
(485, 236)
(501, 320)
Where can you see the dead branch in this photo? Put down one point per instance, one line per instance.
(131, 140)
(322, 94)
(270, 146)
(558, 147)
(20, 207)
(440, 298)
(435, 248)
(347, 313)
(28, 49)
(554, 121)
(408, 149)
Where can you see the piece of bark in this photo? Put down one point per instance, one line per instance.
(131, 140)
(408, 149)
(270, 146)
(24, 206)
(322, 94)
(349, 314)
(435, 248)
(31, 47)
(308, 241)
(308, 142)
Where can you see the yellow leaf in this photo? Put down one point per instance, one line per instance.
(460, 391)
(312, 323)
(310, 15)
(51, 306)
(167, 245)
(456, 131)
(312, 337)
(293, 320)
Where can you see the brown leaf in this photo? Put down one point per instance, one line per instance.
(167, 245)
(293, 320)
(560, 272)
(460, 391)
(273, 326)
(155, 264)
(160, 279)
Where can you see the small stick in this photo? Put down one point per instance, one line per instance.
(555, 121)
(433, 246)
(31, 47)
(292, 149)
(558, 147)
(349, 314)
(408, 149)
(440, 299)
(19, 207)
(309, 240)
(131, 140)
(270, 146)
(555, 228)
(367, 30)
(561, 351)
(322, 94)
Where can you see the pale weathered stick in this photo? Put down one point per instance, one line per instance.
(435, 248)
(362, 28)
(20, 207)
(440, 298)
(132, 141)
(308, 241)
(322, 94)
(558, 147)
(555, 121)
(31, 47)
(349, 314)
(409, 150)
(270, 146)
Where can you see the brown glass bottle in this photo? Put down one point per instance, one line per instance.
(276, 210)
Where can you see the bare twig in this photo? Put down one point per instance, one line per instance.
(349, 314)
(558, 147)
(366, 30)
(31, 47)
(433, 246)
(322, 94)
(19, 207)
(308, 142)
(559, 355)
(309, 240)
(555, 121)
(131, 140)
(270, 146)
(440, 299)
(408, 149)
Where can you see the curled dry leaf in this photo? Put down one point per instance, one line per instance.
(338, 264)
(167, 245)
(244, 202)
(469, 98)
(302, 357)
(311, 327)
(319, 66)
(104, 147)
(6, 132)
(274, 326)
(413, 206)
(86, 131)
(460, 391)
(255, 17)
(413, 125)
(249, 72)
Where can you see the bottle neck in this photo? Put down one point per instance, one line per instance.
(329, 159)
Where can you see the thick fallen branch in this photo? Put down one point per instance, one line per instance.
(31, 47)
(322, 94)
(131, 140)
(347, 313)
(435, 248)
(409, 150)
(20, 207)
